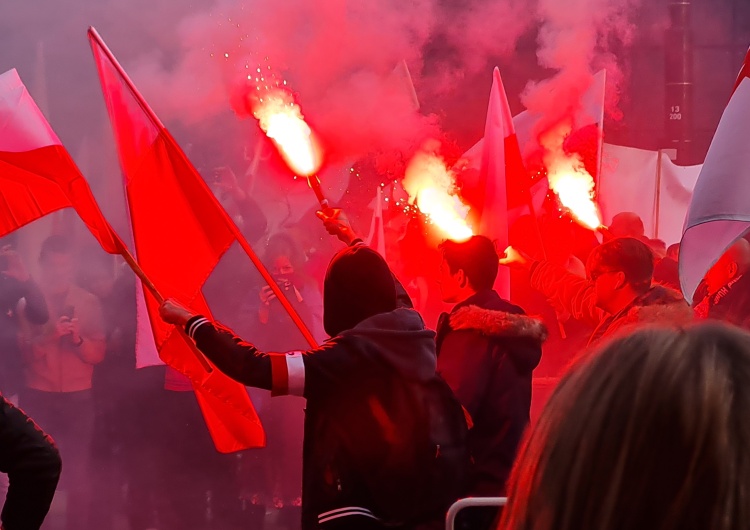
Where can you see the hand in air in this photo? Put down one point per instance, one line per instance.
(515, 259)
(336, 223)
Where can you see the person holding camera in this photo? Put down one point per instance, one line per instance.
(59, 359)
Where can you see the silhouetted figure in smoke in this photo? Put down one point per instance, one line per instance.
(272, 476)
(30, 459)
(666, 270)
(15, 285)
(59, 362)
(487, 349)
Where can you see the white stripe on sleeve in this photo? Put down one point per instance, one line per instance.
(194, 327)
(295, 366)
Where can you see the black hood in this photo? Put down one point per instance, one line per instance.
(400, 338)
(358, 285)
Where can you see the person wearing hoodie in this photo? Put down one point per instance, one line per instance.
(32, 462)
(488, 363)
(618, 292)
(376, 350)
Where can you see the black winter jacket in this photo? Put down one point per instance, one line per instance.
(489, 368)
(341, 380)
(31, 461)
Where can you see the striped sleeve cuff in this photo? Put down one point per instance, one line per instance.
(193, 324)
(287, 374)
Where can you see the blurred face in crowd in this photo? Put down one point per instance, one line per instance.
(451, 284)
(57, 271)
(607, 285)
(282, 269)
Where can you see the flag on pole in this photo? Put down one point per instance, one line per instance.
(719, 212)
(180, 232)
(501, 174)
(376, 237)
(589, 117)
(37, 175)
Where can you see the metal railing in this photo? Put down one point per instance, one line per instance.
(469, 502)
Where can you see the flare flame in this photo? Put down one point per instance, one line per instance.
(431, 186)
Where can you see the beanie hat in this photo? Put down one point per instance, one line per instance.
(358, 285)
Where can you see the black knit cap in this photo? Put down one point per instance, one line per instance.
(358, 285)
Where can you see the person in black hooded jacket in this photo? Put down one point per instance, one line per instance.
(488, 367)
(376, 347)
(32, 462)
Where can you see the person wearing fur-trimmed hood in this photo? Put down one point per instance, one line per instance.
(488, 363)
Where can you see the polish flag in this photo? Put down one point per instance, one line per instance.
(37, 175)
(719, 212)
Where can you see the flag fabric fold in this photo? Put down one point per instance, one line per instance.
(501, 171)
(376, 237)
(180, 232)
(719, 211)
(37, 175)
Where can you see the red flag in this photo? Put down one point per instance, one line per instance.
(744, 71)
(37, 175)
(180, 233)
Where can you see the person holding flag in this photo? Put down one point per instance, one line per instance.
(364, 463)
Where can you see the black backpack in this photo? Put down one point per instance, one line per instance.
(416, 465)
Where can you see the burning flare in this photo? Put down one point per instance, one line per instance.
(282, 121)
(568, 178)
(432, 187)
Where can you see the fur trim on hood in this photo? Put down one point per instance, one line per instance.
(498, 323)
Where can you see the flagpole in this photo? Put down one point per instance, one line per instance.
(138, 270)
(230, 223)
(293, 314)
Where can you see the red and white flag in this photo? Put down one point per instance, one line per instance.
(501, 166)
(37, 175)
(180, 233)
(719, 212)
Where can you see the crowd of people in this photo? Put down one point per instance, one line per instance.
(387, 422)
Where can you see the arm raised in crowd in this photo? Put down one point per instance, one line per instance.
(566, 290)
(33, 465)
(337, 224)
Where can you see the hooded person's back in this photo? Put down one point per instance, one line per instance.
(376, 352)
(489, 365)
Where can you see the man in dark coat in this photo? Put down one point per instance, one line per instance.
(488, 370)
(30, 459)
(377, 349)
